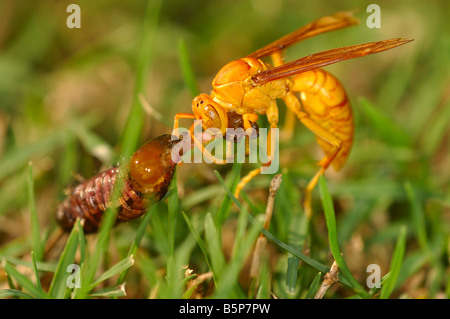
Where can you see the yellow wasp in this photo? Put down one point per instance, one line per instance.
(248, 87)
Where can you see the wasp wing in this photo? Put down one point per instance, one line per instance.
(324, 58)
(329, 23)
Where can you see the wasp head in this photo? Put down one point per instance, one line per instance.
(210, 113)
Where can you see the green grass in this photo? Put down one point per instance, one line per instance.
(70, 105)
(330, 218)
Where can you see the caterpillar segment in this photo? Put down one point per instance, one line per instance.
(145, 181)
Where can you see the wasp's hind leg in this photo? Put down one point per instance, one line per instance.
(293, 104)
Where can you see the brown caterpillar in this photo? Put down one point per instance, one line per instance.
(146, 180)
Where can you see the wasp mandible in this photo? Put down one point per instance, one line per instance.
(248, 87)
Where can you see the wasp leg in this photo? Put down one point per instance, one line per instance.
(289, 126)
(196, 141)
(289, 120)
(244, 181)
(205, 152)
(179, 116)
(176, 120)
(248, 119)
(272, 116)
(294, 104)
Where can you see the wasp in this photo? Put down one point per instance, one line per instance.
(248, 87)
(146, 179)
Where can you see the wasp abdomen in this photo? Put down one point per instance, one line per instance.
(324, 98)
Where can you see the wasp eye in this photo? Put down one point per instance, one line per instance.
(211, 112)
(211, 117)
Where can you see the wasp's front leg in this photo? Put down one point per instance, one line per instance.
(272, 116)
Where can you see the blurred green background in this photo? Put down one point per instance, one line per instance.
(66, 95)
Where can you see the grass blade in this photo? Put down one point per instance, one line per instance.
(101, 246)
(20, 156)
(214, 244)
(314, 286)
(121, 266)
(435, 134)
(15, 159)
(136, 117)
(264, 290)
(199, 240)
(36, 242)
(137, 240)
(14, 293)
(95, 145)
(148, 270)
(418, 217)
(396, 263)
(240, 231)
(68, 162)
(173, 273)
(24, 282)
(411, 265)
(173, 213)
(330, 218)
(110, 292)
(242, 246)
(225, 207)
(296, 239)
(59, 282)
(388, 130)
(82, 244)
(130, 139)
(40, 266)
(35, 270)
(186, 68)
(322, 268)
